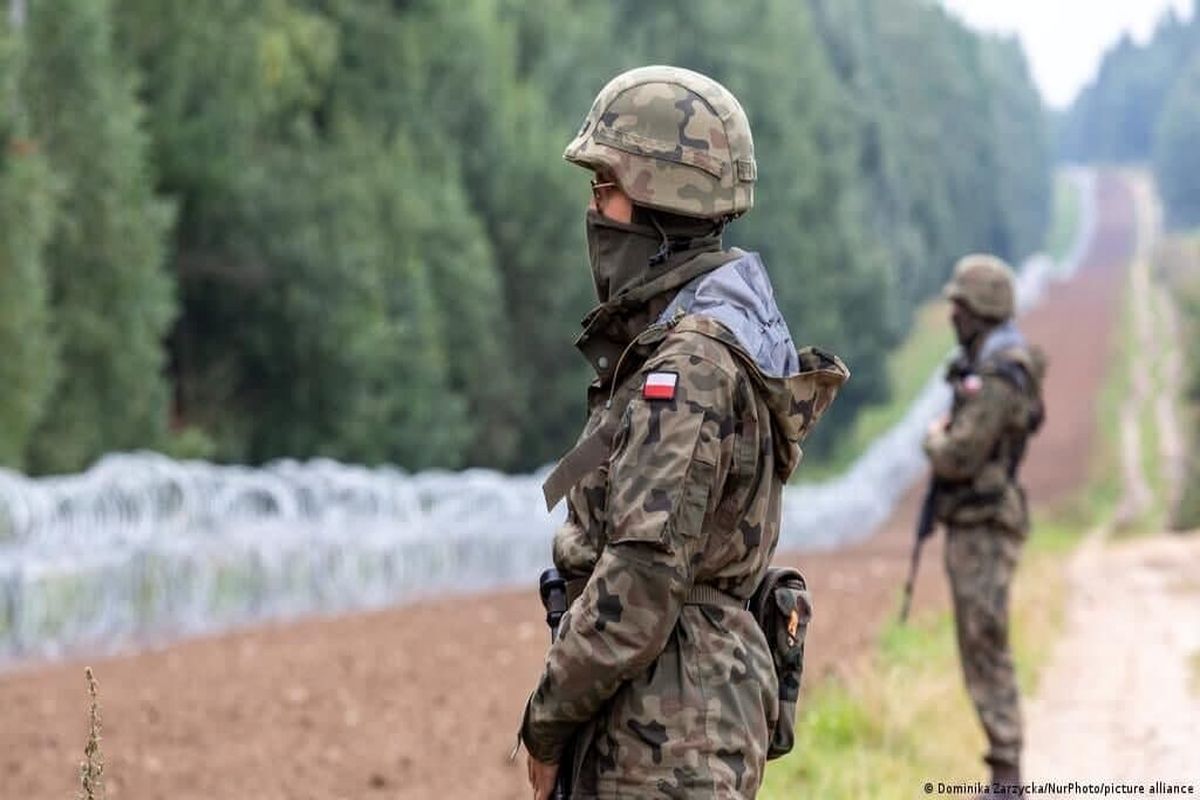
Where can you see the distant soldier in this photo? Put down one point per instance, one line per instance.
(661, 684)
(975, 453)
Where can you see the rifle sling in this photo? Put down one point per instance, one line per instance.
(586, 456)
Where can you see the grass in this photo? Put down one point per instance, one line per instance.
(1040, 598)
(1177, 261)
(1102, 495)
(1118, 390)
(1154, 464)
(904, 717)
(888, 727)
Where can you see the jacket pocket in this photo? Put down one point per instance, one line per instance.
(689, 516)
(685, 505)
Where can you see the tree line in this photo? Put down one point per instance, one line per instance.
(1144, 106)
(343, 227)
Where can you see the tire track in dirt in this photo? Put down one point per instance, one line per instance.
(423, 701)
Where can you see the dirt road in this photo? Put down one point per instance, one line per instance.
(423, 702)
(1120, 699)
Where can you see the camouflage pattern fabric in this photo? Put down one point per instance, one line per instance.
(997, 405)
(673, 139)
(985, 285)
(973, 457)
(667, 699)
(980, 562)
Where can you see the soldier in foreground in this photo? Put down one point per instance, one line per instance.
(661, 682)
(975, 453)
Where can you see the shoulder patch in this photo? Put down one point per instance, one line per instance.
(660, 385)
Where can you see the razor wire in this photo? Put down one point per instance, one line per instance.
(141, 548)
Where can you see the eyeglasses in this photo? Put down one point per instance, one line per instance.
(598, 187)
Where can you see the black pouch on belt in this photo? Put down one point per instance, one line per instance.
(783, 609)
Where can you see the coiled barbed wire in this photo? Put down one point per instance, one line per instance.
(141, 548)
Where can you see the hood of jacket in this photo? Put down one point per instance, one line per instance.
(1005, 342)
(736, 305)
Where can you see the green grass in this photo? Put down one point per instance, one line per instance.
(904, 717)
(885, 729)
(1152, 467)
(1177, 260)
(1040, 598)
(1156, 468)
(1117, 393)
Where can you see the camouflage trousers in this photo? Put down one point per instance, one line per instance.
(980, 562)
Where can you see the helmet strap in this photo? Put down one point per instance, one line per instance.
(675, 243)
(664, 247)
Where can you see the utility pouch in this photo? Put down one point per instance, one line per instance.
(782, 607)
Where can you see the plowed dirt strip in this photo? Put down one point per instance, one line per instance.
(423, 702)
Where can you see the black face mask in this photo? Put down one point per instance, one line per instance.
(969, 328)
(620, 253)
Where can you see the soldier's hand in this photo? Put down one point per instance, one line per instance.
(939, 425)
(541, 778)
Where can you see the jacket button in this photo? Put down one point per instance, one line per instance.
(602, 363)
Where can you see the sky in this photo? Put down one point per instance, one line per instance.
(1065, 39)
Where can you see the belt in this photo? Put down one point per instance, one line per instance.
(709, 595)
(700, 595)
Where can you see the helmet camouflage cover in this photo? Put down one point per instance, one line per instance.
(984, 284)
(673, 139)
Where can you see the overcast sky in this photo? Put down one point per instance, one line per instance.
(1065, 39)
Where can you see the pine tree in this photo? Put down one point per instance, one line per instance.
(112, 301)
(1177, 150)
(28, 364)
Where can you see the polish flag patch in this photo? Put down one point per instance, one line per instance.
(660, 386)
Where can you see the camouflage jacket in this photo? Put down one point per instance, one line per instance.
(667, 697)
(997, 406)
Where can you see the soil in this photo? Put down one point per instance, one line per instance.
(424, 701)
(1133, 629)
(1133, 614)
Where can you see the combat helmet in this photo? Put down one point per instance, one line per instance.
(675, 140)
(985, 285)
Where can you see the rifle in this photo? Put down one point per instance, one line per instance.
(552, 587)
(925, 527)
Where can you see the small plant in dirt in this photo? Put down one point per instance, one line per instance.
(91, 770)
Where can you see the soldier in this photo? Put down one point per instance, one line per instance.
(975, 453)
(661, 680)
